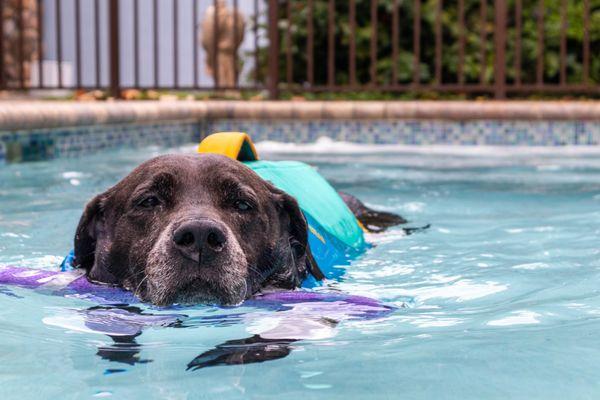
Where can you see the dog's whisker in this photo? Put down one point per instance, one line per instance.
(135, 292)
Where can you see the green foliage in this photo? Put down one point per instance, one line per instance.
(478, 55)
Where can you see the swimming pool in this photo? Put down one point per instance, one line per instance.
(499, 299)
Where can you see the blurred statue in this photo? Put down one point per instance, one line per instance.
(229, 34)
(14, 54)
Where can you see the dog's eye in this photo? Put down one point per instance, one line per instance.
(242, 205)
(149, 202)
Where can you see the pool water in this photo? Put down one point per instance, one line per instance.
(500, 298)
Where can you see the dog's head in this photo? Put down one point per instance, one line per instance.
(193, 228)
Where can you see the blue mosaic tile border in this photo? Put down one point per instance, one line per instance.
(43, 144)
(16, 146)
(420, 132)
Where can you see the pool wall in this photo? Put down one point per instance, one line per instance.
(32, 131)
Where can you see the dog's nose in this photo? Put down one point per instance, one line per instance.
(199, 239)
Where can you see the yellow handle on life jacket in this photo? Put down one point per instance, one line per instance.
(235, 145)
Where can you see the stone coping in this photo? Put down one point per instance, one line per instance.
(22, 115)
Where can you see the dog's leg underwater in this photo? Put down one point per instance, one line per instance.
(254, 349)
(376, 221)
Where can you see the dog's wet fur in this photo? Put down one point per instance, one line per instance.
(199, 229)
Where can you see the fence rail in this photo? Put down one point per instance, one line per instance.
(303, 46)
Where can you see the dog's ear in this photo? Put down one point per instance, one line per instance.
(90, 232)
(87, 234)
(297, 229)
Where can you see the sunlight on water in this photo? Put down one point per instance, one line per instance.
(498, 299)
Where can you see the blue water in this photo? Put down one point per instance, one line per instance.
(499, 299)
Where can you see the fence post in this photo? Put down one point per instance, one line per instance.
(273, 76)
(113, 29)
(2, 83)
(500, 17)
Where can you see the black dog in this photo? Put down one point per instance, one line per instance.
(199, 229)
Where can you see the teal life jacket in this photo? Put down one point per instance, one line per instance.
(334, 235)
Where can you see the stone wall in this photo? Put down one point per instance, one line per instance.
(12, 49)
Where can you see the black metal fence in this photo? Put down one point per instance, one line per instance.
(296, 46)
(97, 31)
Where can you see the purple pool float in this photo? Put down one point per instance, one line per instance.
(74, 283)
